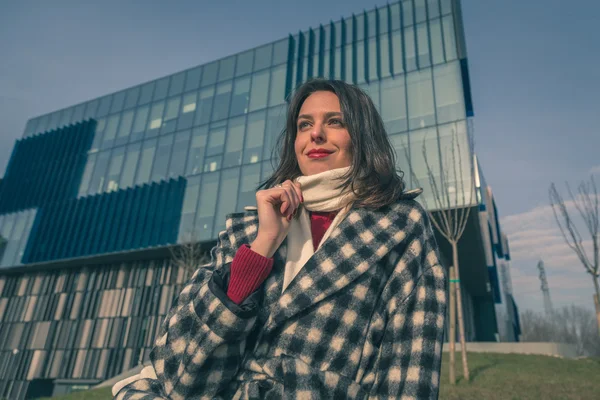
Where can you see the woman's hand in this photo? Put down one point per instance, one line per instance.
(276, 207)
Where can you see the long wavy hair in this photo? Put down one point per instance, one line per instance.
(373, 176)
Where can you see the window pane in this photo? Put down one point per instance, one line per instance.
(160, 91)
(280, 52)
(277, 88)
(437, 49)
(226, 68)
(216, 139)
(87, 175)
(155, 120)
(360, 65)
(449, 38)
(221, 104)
(420, 99)
(409, 48)
(372, 90)
(161, 160)
(90, 110)
(114, 169)
(255, 137)
(349, 22)
(448, 93)
(205, 102)
(177, 82)
(212, 163)
(146, 95)
(187, 112)
(382, 16)
(171, 114)
(192, 79)
(132, 97)
(360, 27)
(262, 58)
(433, 8)
(249, 182)
(111, 131)
(348, 64)
(131, 160)
(418, 139)
(188, 210)
(195, 160)
(143, 174)
(244, 63)
(407, 12)
(275, 123)
(103, 108)
(393, 104)
(180, 150)
(125, 127)
(98, 134)
(139, 124)
(206, 209)
(385, 56)
(267, 170)
(117, 103)
(65, 117)
(235, 142)
(454, 143)
(260, 91)
(373, 59)
(241, 97)
(227, 197)
(77, 116)
(371, 23)
(97, 182)
(209, 75)
(423, 45)
(420, 11)
(446, 6)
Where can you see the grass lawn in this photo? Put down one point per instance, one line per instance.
(496, 377)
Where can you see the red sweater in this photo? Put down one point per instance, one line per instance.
(249, 269)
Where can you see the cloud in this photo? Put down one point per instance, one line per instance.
(595, 170)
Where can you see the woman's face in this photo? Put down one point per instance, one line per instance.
(322, 140)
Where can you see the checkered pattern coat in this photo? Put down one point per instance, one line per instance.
(363, 319)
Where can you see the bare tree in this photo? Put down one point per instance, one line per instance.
(586, 203)
(449, 215)
(189, 255)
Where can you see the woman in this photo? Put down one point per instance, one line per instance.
(330, 288)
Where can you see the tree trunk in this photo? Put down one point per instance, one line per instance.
(597, 301)
(452, 327)
(461, 323)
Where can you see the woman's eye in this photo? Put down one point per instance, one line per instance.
(302, 125)
(335, 121)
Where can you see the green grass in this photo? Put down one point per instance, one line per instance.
(495, 377)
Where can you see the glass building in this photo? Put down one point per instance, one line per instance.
(94, 195)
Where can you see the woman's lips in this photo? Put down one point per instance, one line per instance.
(318, 154)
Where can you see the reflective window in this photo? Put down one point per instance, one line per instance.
(87, 175)
(348, 64)
(206, 208)
(385, 56)
(393, 104)
(160, 91)
(155, 120)
(77, 115)
(254, 137)
(216, 139)
(372, 90)
(382, 17)
(337, 73)
(349, 23)
(262, 57)
(373, 60)
(448, 92)
(449, 38)
(426, 138)
(209, 74)
(280, 52)
(90, 109)
(244, 63)
(407, 12)
(420, 99)
(409, 49)
(275, 124)
(420, 11)
(97, 181)
(360, 65)
(98, 134)
(195, 160)
(221, 103)
(372, 23)
(117, 102)
(65, 116)
(188, 108)
(204, 107)
(360, 27)
(192, 79)
(132, 97)
(226, 68)
(111, 131)
(177, 82)
(125, 127)
(241, 96)
(145, 165)
(212, 163)
(146, 94)
(260, 91)
(171, 114)
(139, 124)
(114, 169)
(423, 45)
(131, 161)
(454, 143)
(433, 8)
(227, 197)
(446, 6)
(180, 150)
(437, 48)
(248, 184)
(162, 157)
(267, 170)
(277, 87)
(188, 210)
(103, 108)
(235, 142)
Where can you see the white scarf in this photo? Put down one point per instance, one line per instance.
(321, 193)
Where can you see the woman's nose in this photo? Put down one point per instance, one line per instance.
(317, 134)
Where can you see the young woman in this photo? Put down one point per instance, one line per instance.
(330, 288)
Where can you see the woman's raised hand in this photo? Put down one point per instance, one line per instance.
(276, 208)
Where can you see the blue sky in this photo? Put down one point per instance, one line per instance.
(534, 67)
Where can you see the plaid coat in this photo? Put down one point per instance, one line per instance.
(364, 318)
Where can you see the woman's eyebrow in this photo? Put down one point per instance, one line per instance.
(327, 115)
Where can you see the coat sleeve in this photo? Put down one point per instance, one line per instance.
(202, 339)
(411, 351)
